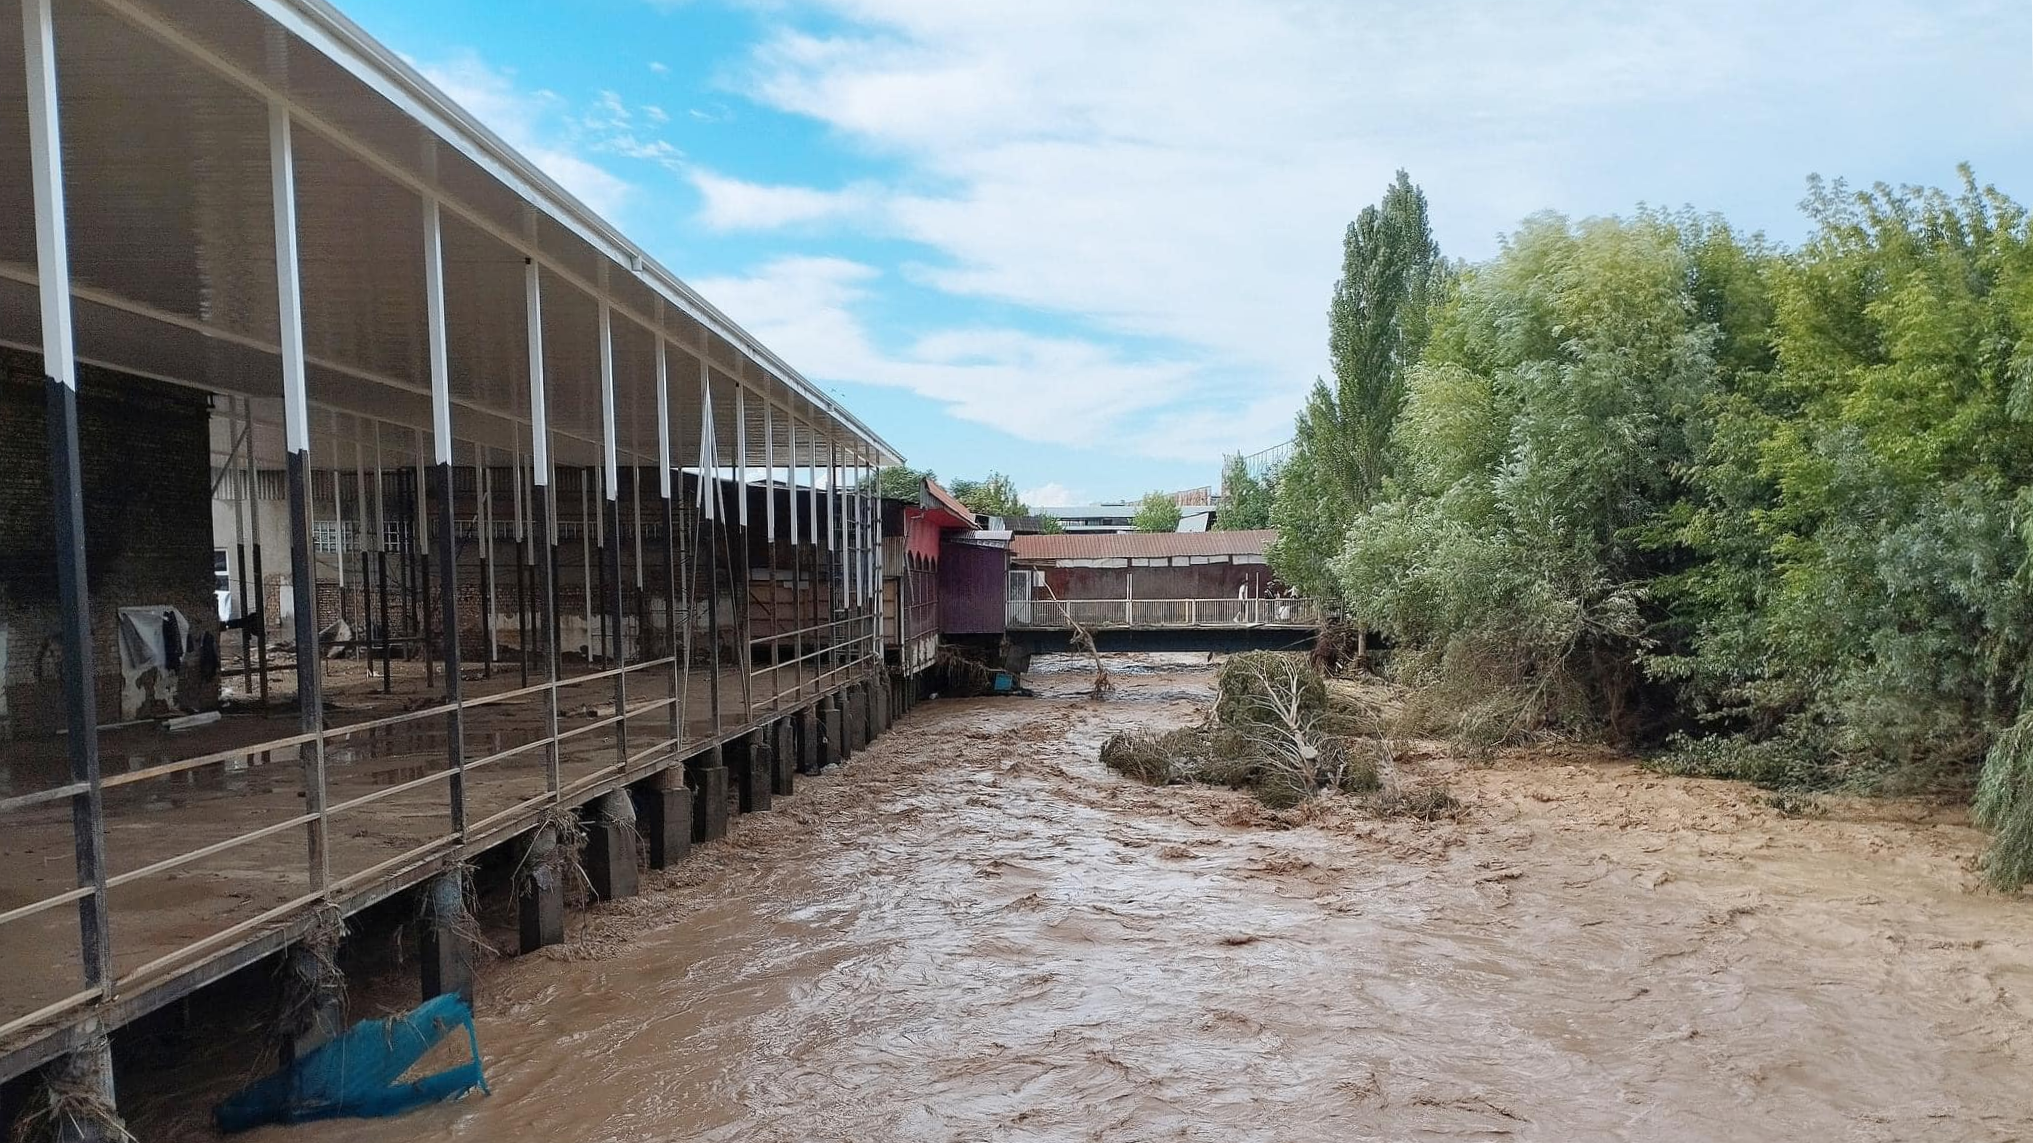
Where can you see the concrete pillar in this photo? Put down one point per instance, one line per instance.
(83, 1078)
(783, 758)
(832, 746)
(881, 705)
(663, 811)
(540, 892)
(708, 779)
(314, 997)
(749, 766)
(857, 716)
(445, 939)
(610, 847)
(808, 740)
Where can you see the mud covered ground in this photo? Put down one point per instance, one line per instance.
(977, 933)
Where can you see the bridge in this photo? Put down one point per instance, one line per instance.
(1225, 624)
(1158, 591)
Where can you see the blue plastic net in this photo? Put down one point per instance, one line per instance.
(358, 1073)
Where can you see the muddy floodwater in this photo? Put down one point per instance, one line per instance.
(977, 933)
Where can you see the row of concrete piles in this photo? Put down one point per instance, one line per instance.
(594, 846)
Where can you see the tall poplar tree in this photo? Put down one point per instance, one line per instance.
(1377, 326)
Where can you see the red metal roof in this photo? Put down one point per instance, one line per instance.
(942, 499)
(1141, 545)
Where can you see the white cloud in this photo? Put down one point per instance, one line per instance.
(1183, 172)
(1050, 389)
(659, 68)
(528, 121)
(1053, 495)
(732, 204)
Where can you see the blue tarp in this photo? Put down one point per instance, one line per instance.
(357, 1073)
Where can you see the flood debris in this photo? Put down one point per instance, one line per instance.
(1277, 730)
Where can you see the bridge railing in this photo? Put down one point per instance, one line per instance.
(1147, 614)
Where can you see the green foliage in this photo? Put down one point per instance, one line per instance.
(1050, 526)
(1246, 501)
(896, 482)
(1344, 445)
(1539, 434)
(993, 495)
(1157, 512)
(1651, 478)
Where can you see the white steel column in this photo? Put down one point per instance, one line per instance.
(741, 450)
(663, 468)
(769, 476)
(296, 420)
(769, 533)
(709, 505)
(743, 632)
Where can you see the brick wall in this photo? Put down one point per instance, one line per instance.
(146, 467)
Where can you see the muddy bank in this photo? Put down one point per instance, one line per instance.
(977, 933)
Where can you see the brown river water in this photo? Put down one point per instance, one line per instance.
(975, 932)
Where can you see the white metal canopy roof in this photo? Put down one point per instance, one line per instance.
(164, 109)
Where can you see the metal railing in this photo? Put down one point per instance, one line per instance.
(1146, 614)
(393, 772)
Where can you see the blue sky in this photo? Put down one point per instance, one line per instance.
(1091, 244)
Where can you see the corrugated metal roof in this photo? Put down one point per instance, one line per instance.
(944, 499)
(1141, 545)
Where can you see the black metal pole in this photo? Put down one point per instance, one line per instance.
(309, 691)
(448, 575)
(387, 656)
(670, 647)
(484, 483)
(617, 645)
(547, 621)
(81, 714)
(423, 567)
(365, 636)
(261, 620)
(521, 614)
(246, 631)
(711, 525)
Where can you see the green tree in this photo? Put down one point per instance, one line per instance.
(1859, 604)
(1246, 501)
(1157, 512)
(1378, 323)
(993, 495)
(1541, 435)
(897, 482)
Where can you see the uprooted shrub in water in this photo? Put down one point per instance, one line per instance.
(1276, 732)
(1423, 803)
(1268, 688)
(1155, 759)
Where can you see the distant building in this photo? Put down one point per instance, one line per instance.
(1098, 519)
(1151, 574)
